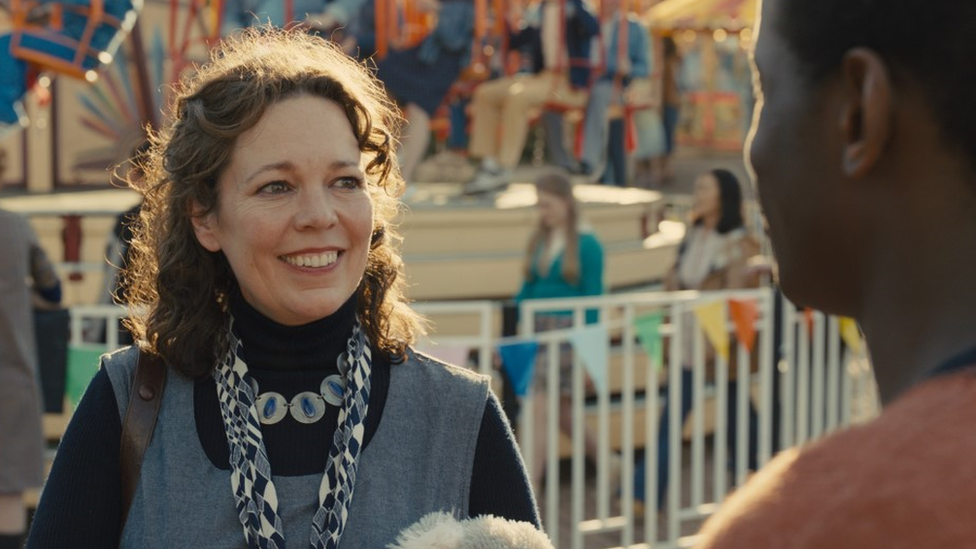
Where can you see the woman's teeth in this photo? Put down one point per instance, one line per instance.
(312, 260)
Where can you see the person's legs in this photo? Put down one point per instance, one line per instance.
(566, 427)
(732, 430)
(537, 472)
(670, 120)
(595, 126)
(650, 146)
(13, 520)
(530, 93)
(657, 171)
(556, 140)
(415, 140)
(616, 172)
(457, 139)
(486, 104)
(664, 440)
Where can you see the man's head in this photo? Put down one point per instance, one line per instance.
(860, 103)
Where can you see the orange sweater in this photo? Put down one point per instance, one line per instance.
(905, 480)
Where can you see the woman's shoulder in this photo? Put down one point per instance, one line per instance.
(588, 238)
(438, 372)
(737, 234)
(120, 367)
(741, 241)
(120, 363)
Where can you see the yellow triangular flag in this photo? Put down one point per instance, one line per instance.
(850, 333)
(711, 318)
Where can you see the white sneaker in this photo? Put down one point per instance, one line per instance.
(487, 180)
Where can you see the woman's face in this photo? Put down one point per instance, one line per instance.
(708, 202)
(293, 217)
(553, 210)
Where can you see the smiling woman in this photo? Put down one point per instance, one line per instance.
(267, 281)
(294, 217)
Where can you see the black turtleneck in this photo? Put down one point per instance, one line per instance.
(80, 506)
(289, 360)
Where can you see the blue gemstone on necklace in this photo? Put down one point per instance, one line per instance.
(307, 408)
(270, 407)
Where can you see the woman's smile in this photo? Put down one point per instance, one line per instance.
(312, 260)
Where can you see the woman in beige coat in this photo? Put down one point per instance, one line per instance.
(21, 452)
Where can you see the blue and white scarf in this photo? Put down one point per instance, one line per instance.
(254, 489)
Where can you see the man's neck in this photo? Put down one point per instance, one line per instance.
(923, 312)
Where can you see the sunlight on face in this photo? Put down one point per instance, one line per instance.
(294, 217)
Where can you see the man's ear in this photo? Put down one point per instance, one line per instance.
(205, 227)
(866, 116)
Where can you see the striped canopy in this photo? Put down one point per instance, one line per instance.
(731, 15)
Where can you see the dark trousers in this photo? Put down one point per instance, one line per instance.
(616, 172)
(664, 436)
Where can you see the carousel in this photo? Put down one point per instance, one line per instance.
(81, 79)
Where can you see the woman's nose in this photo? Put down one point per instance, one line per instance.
(315, 209)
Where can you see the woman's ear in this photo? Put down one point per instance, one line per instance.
(205, 227)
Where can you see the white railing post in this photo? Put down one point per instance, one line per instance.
(743, 401)
(768, 409)
(834, 374)
(676, 364)
(803, 385)
(627, 436)
(579, 448)
(817, 373)
(721, 483)
(788, 376)
(552, 396)
(652, 412)
(698, 423)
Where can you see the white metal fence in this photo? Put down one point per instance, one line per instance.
(802, 381)
(801, 378)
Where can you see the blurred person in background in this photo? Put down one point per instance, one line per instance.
(564, 259)
(671, 88)
(556, 36)
(626, 55)
(714, 255)
(27, 279)
(418, 78)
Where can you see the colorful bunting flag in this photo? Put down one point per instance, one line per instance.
(744, 313)
(711, 318)
(808, 321)
(518, 359)
(850, 333)
(590, 343)
(648, 328)
(83, 363)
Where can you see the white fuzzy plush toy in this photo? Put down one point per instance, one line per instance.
(442, 531)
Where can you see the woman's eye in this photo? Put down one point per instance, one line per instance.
(349, 183)
(274, 187)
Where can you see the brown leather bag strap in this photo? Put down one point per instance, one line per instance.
(140, 421)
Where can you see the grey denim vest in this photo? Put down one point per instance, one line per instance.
(420, 460)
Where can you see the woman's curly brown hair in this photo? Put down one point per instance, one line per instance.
(178, 290)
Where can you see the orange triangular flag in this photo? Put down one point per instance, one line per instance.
(808, 320)
(744, 313)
